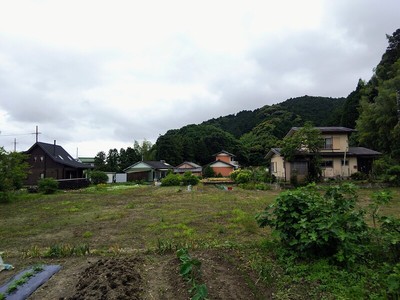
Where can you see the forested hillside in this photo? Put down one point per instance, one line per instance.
(248, 134)
(371, 108)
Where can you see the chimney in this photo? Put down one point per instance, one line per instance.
(54, 148)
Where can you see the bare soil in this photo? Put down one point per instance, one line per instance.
(148, 277)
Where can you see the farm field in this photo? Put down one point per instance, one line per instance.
(121, 241)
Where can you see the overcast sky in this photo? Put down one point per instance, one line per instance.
(96, 75)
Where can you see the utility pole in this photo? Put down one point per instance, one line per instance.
(15, 145)
(37, 133)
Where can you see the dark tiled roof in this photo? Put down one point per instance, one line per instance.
(363, 151)
(224, 162)
(224, 152)
(156, 164)
(59, 155)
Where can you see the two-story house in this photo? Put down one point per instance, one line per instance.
(51, 160)
(224, 163)
(338, 160)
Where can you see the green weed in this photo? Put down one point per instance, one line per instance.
(65, 250)
(87, 234)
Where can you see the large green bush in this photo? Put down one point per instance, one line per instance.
(241, 176)
(208, 172)
(48, 185)
(13, 171)
(189, 179)
(171, 180)
(97, 177)
(311, 224)
(393, 175)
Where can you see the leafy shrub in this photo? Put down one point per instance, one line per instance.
(208, 172)
(241, 176)
(311, 224)
(97, 177)
(380, 166)
(359, 176)
(48, 185)
(171, 180)
(189, 178)
(393, 175)
(390, 234)
(393, 282)
(13, 171)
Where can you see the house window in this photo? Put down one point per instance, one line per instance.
(274, 167)
(345, 162)
(41, 158)
(327, 164)
(35, 158)
(328, 143)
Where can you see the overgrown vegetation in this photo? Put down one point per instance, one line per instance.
(97, 177)
(176, 179)
(330, 228)
(13, 171)
(253, 178)
(48, 185)
(165, 220)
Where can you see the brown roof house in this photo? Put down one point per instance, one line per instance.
(148, 170)
(51, 160)
(187, 166)
(224, 163)
(338, 159)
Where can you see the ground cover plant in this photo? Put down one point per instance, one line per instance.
(217, 226)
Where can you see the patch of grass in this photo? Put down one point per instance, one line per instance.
(66, 250)
(87, 234)
(130, 205)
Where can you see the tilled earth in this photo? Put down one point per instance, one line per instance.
(149, 277)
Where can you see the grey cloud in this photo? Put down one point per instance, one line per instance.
(40, 84)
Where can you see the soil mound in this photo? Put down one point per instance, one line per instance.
(110, 278)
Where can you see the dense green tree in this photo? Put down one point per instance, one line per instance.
(13, 171)
(197, 143)
(128, 157)
(350, 110)
(321, 111)
(100, 161)
(305, 141)
(378, 122)
(145, 150)
(385, 69)
(277, 122)
(112, 160)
